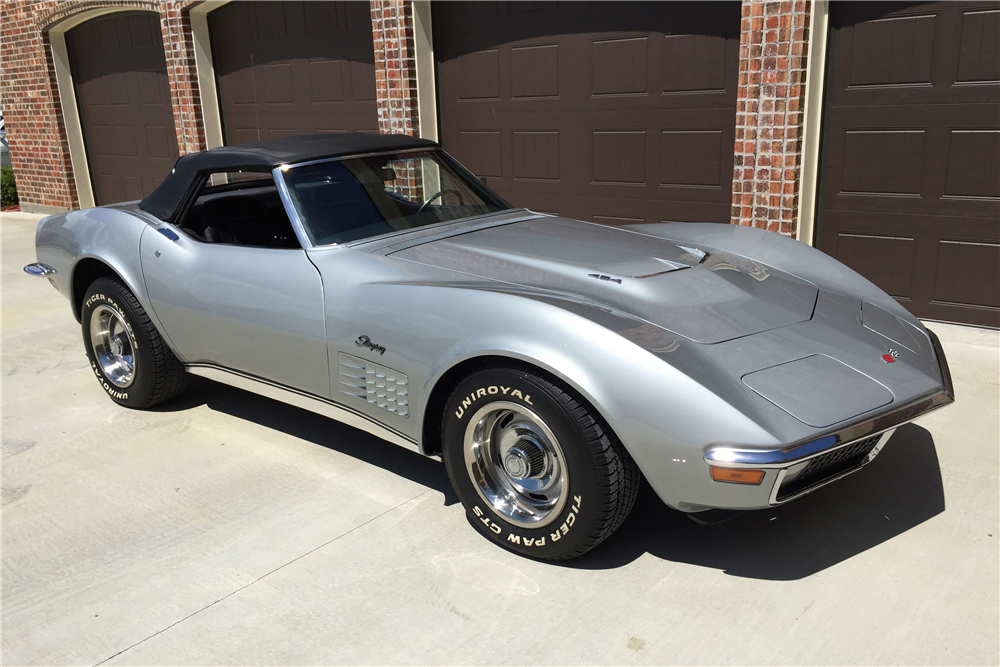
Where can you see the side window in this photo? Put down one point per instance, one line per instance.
(240, 208)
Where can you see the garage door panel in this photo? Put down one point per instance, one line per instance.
(120, 76)
(883, 162)
(620, 66)
(293, 68)
(979, 53)
(326, 81)
(362, 83)
(892, 51)
(680, 50)
(483, 148)
(950, 286)
(973, 169)
(888, 261)
(534, 71)
(595, 101)
(618, 157)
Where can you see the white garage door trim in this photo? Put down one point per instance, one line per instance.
(812, 121)
(205, 70)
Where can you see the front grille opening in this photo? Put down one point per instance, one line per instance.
(829, 465)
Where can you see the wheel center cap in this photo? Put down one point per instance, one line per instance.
(115, 344)
(525, 459)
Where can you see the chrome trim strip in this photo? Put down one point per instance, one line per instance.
(39, 270)
(775, 458)
(300, 399)
(773, 498)
(286, 198)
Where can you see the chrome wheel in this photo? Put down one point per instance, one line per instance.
(516, 464)
(114, 345)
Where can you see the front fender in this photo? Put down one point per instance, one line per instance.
(664, 418)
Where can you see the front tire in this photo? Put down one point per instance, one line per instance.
(535, 468)
(128, 356)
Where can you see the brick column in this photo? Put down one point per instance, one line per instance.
(768, 151)
(178, 47)
(395, 66)
(32, 112)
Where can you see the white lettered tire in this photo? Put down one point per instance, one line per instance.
(536, 469)
(128, 356)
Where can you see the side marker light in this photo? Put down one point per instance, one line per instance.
(737, 475)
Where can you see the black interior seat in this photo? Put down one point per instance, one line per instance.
(241, 220)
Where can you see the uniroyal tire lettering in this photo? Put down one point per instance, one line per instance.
(120, 395)
(489, 391)
(519, 540)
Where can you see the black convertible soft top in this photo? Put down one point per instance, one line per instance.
(264, 156)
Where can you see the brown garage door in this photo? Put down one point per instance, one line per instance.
(120, 76)
(612, 112)
(911, 190)
(288, 68)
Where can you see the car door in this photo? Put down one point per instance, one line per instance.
(251, 309)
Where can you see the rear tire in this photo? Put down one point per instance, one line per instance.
(535, 468)
(127, 354)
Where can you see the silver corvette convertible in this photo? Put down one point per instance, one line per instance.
(550, 363)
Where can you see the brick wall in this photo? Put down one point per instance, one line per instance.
(30, 101)
(178, 46)
(29, 95)
(768, 151)
(395, 66)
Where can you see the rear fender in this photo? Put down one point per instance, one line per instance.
(72, 241)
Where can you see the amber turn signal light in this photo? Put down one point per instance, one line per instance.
(737, 475)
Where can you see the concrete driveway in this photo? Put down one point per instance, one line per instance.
(229, 529)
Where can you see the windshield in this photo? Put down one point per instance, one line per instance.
(347, 200)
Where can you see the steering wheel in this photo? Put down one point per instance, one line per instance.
(461, 202)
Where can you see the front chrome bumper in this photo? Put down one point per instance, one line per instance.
(806, 466)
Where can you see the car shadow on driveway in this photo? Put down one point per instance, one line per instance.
(900, 489)
(314, 428)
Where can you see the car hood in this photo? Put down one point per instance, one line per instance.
(700, 293)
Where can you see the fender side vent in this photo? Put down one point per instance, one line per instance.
(379, 385)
